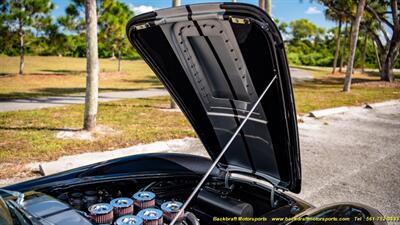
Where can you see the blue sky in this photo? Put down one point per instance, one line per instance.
(284, 10)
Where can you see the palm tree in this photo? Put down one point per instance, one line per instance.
(353, 44)
(332, 15)
(363, 53)
(343, 51)
(92, 66)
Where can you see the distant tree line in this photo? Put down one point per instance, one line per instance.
(27, 27)
(310, 45)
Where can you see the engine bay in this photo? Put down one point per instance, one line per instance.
(157, 201)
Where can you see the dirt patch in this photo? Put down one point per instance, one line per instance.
(79, 134)
(379, 84)
(16, 171)
(112, 75)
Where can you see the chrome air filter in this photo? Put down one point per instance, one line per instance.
(122, 206)
(101, 213)
(151, 216)
(129, 220)
(171, 209)
(144, 199)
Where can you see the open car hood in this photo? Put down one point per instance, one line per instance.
(215, 60)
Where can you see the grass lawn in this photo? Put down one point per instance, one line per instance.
(28, 136)
(55, 76)
(325, 90)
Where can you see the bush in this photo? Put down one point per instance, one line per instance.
(294, 58)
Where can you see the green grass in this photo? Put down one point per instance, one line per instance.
(325, 91)
(51, 76)
(27, 136)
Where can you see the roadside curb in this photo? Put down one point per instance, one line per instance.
(342, 109)
(328, 112)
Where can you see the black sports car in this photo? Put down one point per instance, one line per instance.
(225, 66)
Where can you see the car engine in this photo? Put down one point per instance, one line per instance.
(143, 207)
(150, 202)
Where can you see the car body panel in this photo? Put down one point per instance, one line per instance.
(216, 60)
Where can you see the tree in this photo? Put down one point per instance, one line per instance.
(333, 16)
(363, 53)
(343, 51)
(353, 44)
(337, 50)
(386, 33)
(73, 20)
(303, 29)
(113, 18)
(268, 6)
(21, 16)
(92, 66)
(261, 4)
(389, 48)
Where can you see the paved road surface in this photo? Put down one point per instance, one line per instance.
(38, 103)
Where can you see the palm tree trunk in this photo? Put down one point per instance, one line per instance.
(176, 3)
(343, 51)
(337, 47)
(353, 44)
(21, 54)
(261, 4)
(21, 48)
(119, 60)
(92, 66)
(364, 52)
(268, 6)
(378, 59)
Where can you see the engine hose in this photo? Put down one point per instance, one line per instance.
(191, 219)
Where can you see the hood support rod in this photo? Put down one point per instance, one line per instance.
(197, 188)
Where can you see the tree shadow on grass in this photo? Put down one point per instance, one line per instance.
(331, 81)
(63, 92)
(151, 80)
(62, 72)
(37, 128)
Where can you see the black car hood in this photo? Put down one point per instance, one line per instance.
(215, 60)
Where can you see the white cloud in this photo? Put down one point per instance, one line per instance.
(141, 9)
(312, 10)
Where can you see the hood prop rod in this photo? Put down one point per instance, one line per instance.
(197, 188)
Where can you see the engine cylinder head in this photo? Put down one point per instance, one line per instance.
(129, 220)
(151, 216)
(144, 199)
(101, 213)
(122, 206)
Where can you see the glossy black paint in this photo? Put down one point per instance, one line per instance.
(215, 68)
(144, 164)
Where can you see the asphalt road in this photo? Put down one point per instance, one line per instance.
(353, 157)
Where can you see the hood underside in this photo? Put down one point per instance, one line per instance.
(216, 60)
